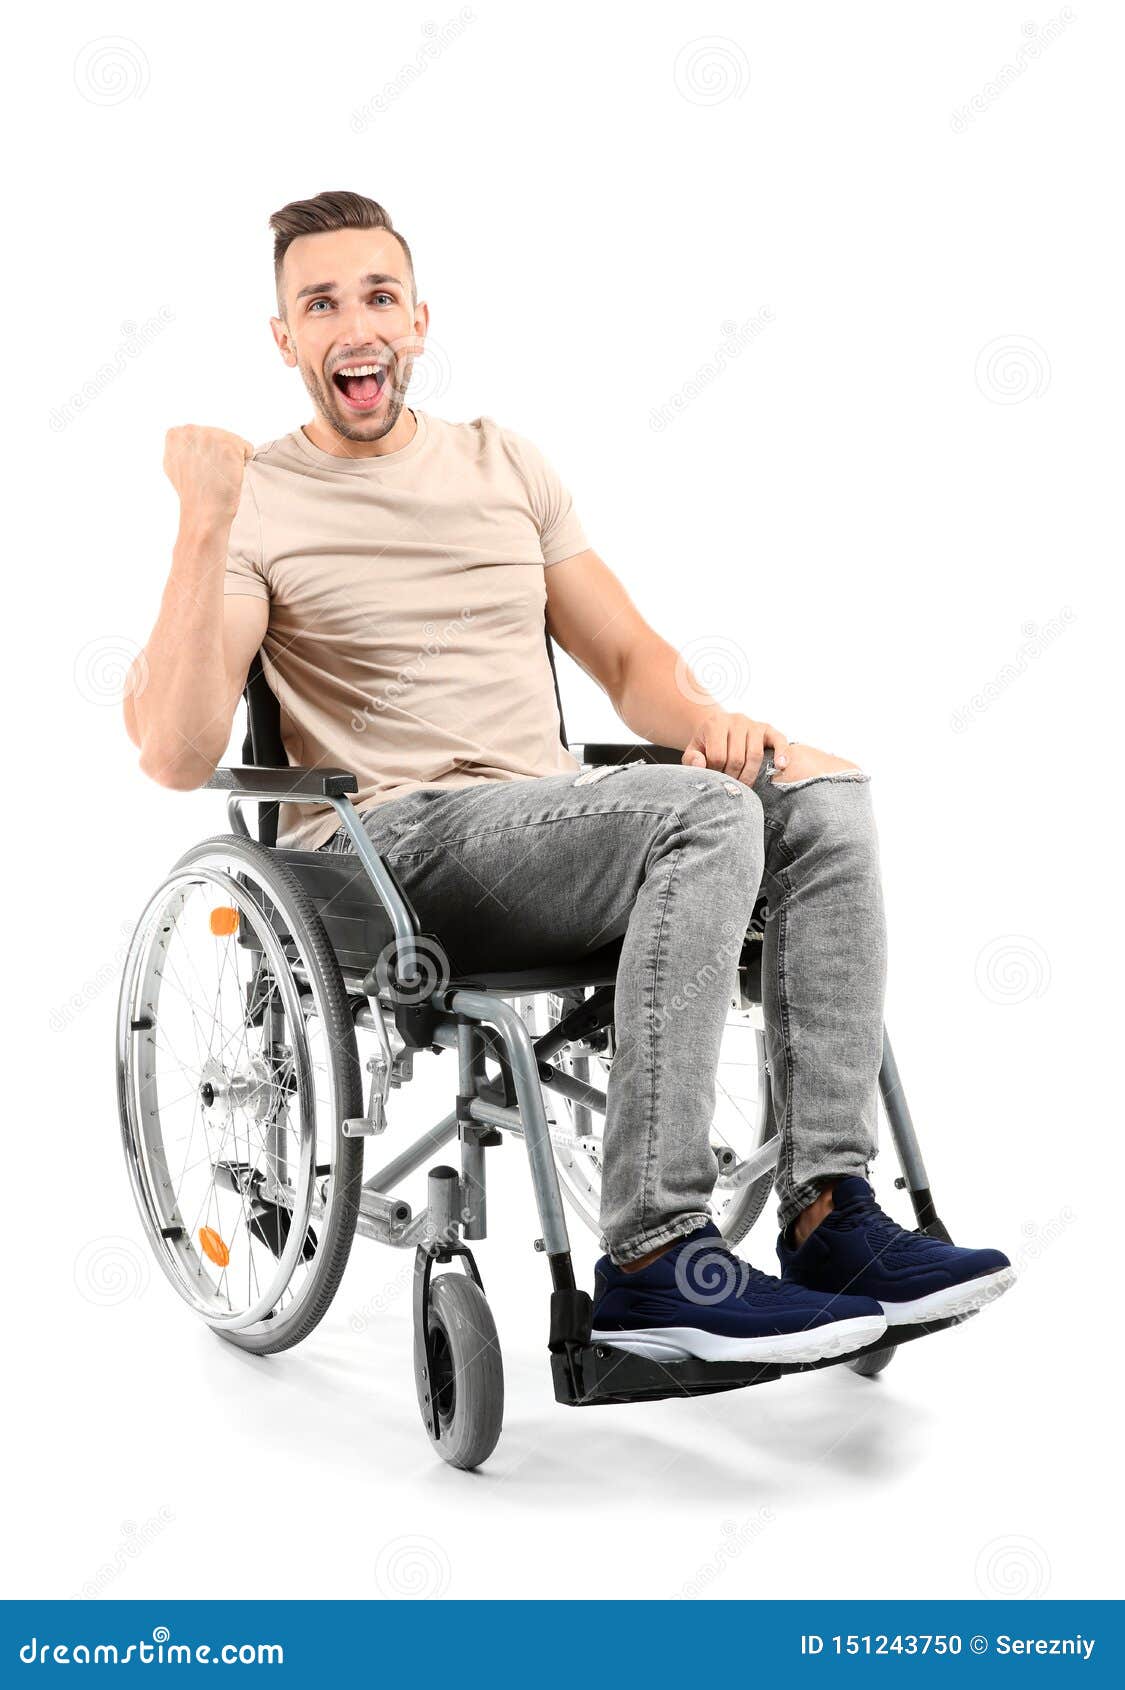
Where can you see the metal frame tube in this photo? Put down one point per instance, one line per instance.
(473, 1191)
(414, 1156)
(902, 1126)
(406, 956)
(482, 1006)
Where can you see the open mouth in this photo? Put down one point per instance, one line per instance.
(362, 385)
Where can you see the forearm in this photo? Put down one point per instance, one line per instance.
(657, 696)
(180, 708)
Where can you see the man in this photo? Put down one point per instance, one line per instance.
(396, 570)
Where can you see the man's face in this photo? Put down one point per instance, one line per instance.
(349, 308)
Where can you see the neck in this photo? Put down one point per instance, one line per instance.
(400, 434)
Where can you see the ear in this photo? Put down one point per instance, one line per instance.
(284, 341)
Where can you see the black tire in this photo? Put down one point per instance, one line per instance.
(867, 1366)
(334, 1240)
(468, 1383)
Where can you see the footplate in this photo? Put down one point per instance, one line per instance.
(588, 1374)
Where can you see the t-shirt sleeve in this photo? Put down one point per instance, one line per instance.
(245, 564)
(561, 534)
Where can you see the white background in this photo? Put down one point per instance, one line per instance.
(898, 498)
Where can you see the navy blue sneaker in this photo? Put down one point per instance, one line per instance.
(860, 1250)
(699, 1299)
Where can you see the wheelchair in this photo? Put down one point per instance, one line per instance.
(271, 1003)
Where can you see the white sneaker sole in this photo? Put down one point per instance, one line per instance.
(678, 1343)
(952, 1299)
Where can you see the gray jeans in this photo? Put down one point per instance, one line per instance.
(513, 873)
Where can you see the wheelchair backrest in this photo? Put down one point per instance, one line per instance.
(264, 748)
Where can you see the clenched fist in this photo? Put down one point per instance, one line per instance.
(206, 466)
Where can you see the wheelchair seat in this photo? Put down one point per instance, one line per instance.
(359, 930)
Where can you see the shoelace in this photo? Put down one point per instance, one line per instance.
(862, 1211)
(769, 1284)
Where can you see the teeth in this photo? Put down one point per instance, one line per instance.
(361, 370)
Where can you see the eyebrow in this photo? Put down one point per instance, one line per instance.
(331, 287)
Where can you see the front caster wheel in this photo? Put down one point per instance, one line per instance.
(867, 1366)
(467, 1395)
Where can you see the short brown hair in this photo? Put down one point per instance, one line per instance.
(322, 216)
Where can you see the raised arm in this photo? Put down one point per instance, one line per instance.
(182, 691)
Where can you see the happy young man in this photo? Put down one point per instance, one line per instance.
(395, 569)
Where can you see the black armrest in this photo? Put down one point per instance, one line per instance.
(293, 783)
(636, 753)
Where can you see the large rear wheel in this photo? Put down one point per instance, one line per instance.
(741, 1130)
(236, 1067)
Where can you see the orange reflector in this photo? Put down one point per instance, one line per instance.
(213, 1247)
(224, 922)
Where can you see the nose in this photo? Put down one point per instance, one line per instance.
(357, 331)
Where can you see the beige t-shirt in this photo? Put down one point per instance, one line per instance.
(406, 593)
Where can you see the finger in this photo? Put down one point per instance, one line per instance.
(736, 749)
(715, 744)
(752, 757)
(694, 758)
(774, 737)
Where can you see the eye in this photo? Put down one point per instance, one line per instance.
(315, 302)
(389, 297)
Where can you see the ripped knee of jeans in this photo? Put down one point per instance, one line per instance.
(852, 773)
(600, 771)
